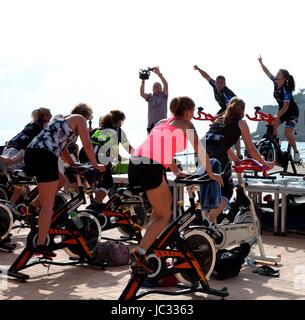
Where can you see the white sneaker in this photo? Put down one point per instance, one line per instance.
(296, 157)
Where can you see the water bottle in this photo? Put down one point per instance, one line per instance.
(74, 216)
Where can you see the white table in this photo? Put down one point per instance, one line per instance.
(281, 186)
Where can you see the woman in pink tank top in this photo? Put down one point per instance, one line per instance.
(149, 162)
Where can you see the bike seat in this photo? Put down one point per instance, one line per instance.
(129, 191)
(85, 170)
(20, 177)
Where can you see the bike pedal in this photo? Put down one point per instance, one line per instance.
(44, 258)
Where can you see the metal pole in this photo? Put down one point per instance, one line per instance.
(283, 215)
(276, 214)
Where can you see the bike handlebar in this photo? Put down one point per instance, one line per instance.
(194, 179)
(250, 164)
(261, 116)
(203, 116)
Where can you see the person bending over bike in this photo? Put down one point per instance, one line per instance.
(148, 164)
(105, 141)
(222, 135)
(41, 160)
(288, 110)
(13, 154)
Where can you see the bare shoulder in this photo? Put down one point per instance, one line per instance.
(76, 118)
(242, 124)
(183, 124)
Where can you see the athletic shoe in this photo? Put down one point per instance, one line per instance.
(44, 251)
(140, 260)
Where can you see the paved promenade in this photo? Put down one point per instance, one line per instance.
(82, 282)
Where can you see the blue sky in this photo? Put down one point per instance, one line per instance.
(59, 53)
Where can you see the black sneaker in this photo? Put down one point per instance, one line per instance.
(140, 260)
(44, 251)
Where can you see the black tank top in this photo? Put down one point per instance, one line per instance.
(24, 138)
(220, 138)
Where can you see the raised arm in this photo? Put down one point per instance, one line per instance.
(142, 91)
(203, 73)
(164, 82)
(250, 146)
(265, 69)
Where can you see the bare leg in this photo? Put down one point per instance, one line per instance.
(289, 135)
(16, 194)
(61, 182)
(161, 200)
(47, 191)
(100, 195)
(276, 125)
(214, 213)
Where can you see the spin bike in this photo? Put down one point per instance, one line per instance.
(246, 223)
(8, 211)
(22, 211)
(124, 211)
(77, 234)
(183, 249)
(269, 146)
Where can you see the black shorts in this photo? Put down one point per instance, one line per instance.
(290, 122)
(227, 189)
(42, 164)
(147, 175)
(106, 182)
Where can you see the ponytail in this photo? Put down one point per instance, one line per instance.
(39, 114)
(289, 80)
(180, 105)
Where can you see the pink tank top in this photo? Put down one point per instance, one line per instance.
(163, 142)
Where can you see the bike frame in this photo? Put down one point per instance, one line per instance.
(269, 137)
(61, 225)
(172, 238)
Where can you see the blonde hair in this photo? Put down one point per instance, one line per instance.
(38, 114)
(235, 110)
